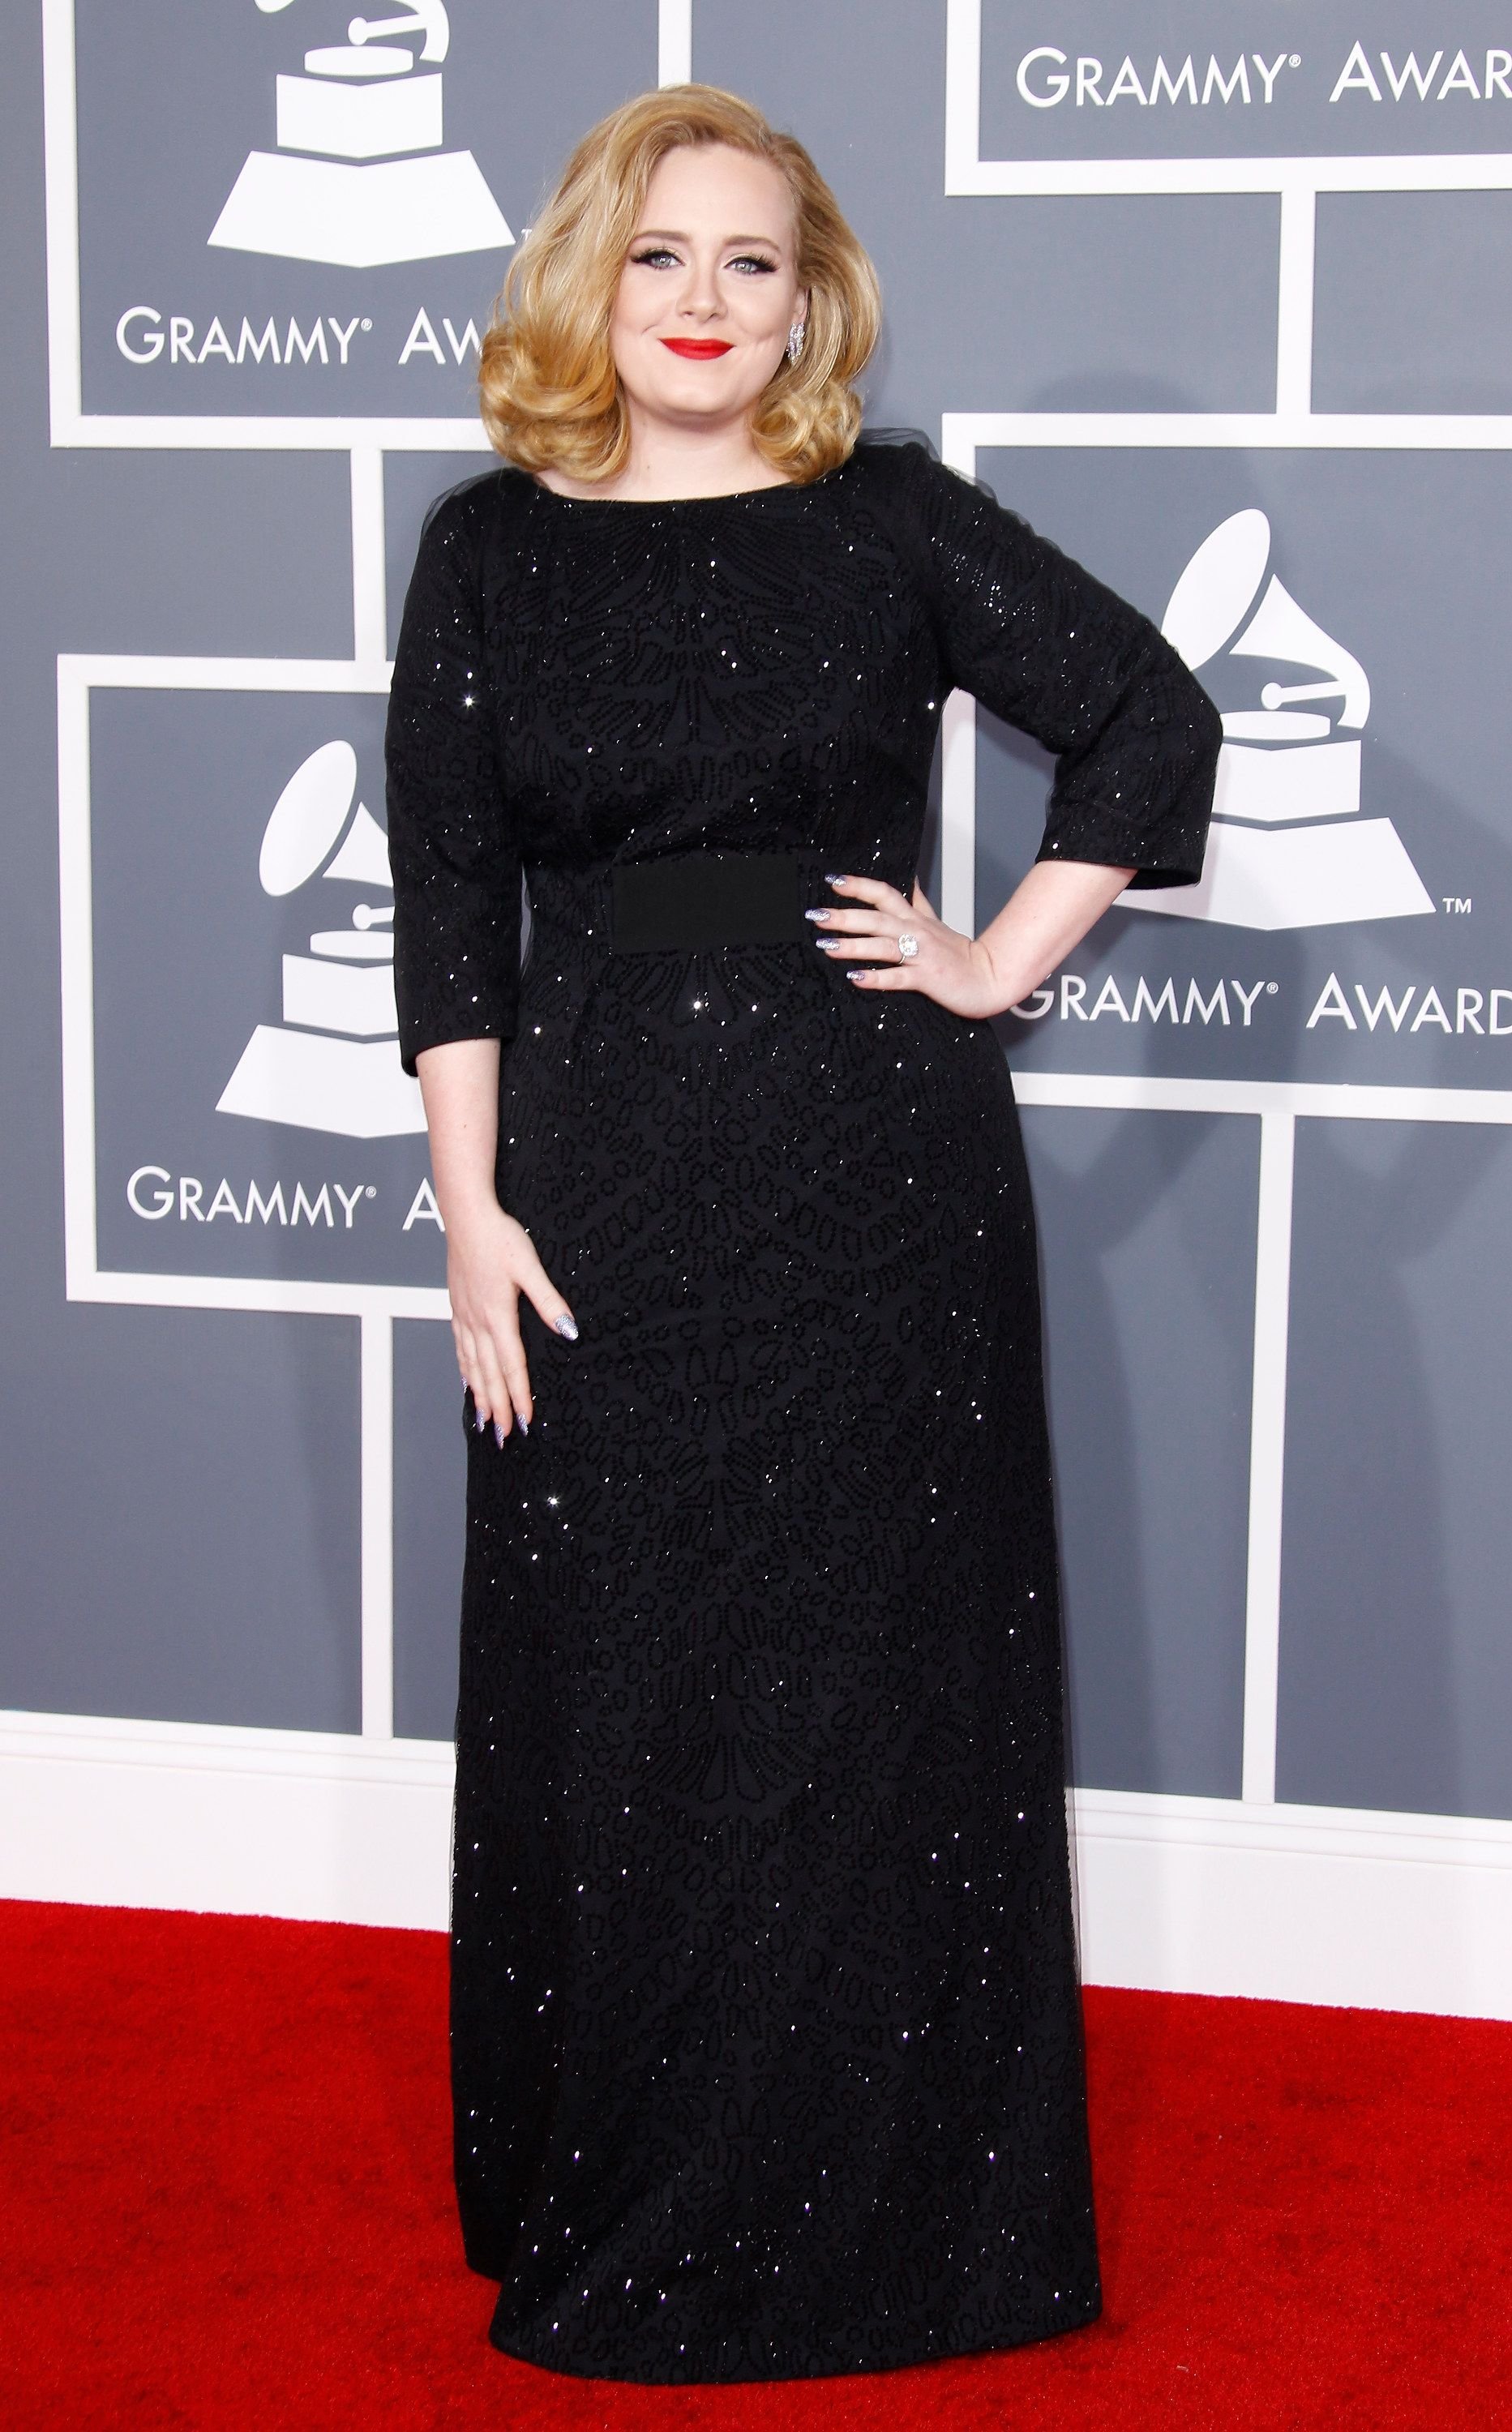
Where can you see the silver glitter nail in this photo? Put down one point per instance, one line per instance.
(567, 1325)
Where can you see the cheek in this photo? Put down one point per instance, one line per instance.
(639, 361)
(639, 303)
(758, 310)
(623, 319)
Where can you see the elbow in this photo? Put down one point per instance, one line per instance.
(1200, 744)
(1181, 702)
(1199, 715)
(1209, 727)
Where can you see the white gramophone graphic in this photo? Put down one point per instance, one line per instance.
(334, 1066)
(334, 190)
(1287, 849)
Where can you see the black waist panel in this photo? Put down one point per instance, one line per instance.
(696, 901)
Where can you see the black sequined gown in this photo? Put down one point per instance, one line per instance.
(766, 2038)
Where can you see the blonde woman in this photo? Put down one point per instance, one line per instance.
(766, 2038)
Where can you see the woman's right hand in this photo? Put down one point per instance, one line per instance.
(490, 1260)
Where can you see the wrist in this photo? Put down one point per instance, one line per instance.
(1008, 982)
(470, 1209)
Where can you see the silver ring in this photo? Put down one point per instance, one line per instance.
(908, 946)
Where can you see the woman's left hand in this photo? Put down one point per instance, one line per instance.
(956, 971)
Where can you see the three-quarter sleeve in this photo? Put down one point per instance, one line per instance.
(1046, 647)
(455, 864)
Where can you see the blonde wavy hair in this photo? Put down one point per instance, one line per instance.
(549, 394)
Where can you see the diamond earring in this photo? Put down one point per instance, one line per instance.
(795, 342)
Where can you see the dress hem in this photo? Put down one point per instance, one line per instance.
(712, 2378)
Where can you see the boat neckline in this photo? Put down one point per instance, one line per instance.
(697, 499)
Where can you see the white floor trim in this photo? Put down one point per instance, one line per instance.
(1337, 1905)
(1178, 1895)
(255, 1823)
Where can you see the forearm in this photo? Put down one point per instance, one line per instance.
(459, 1084)
(1048, 914)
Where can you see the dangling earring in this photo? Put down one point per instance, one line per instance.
(795, 342)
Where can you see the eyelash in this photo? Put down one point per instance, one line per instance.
(661, 253)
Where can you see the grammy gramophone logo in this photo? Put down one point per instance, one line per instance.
(332, 1065)
(1288, 848)
(360, 176)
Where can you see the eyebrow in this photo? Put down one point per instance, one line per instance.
(678, 236)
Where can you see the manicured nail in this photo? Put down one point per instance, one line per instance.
(831, 880)
(522, 1423)
(857, 976)
(499, 1435)
(830, 945)
(567, 1325)
(823, 915)
(480, 1420)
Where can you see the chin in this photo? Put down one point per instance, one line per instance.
(695, 396)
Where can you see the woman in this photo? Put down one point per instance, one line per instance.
(765, 2020)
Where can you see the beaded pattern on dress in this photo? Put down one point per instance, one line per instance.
(765, 2028)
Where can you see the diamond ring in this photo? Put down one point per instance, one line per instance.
(908, 946)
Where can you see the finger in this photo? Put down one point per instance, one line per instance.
(492, 1405)
(833, 921)
(881, 946)
(466, 1351)
(875, 891)
(510, 1353)
(505, 1380)
(894, 975)
(542, 1294)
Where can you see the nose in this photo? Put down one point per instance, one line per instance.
(701, 299)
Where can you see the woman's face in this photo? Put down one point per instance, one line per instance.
(708, 291)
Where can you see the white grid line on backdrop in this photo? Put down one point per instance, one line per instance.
(675, 41)
(1296, 181)
(1133, 1816)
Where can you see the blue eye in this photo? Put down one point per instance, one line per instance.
(656, 257)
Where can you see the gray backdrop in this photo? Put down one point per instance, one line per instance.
(181, 1505)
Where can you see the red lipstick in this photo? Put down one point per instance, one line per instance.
(698, 350)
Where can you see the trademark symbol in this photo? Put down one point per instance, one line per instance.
(1460, 904)
(368, 325)
(371, 1192)
(1273, 988)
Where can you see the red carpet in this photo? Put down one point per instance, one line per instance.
(227, 2203)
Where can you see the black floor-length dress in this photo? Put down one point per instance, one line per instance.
(766, 2038)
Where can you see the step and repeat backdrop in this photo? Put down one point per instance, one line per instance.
(1218, 298)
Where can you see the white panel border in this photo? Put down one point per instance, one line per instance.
(1300, 174)
(72, 427)
(78, 677)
